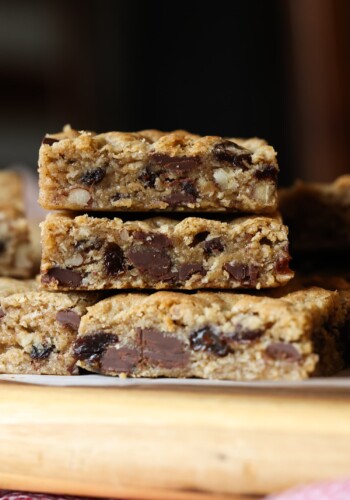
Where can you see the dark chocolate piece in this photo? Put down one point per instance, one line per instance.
(246, 274)
(206, 339)
(232, 153)
(68, 317)
(163, 349)
(151, 260)
(114, 260)
(187, 270)
(122, 360)
(41, 351)
(180, 164)
(283, 352)
(91, 347)
(64, 277)
(92, 177)
(213, 246)
(49, 140)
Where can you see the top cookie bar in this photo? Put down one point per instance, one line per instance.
(152, 170)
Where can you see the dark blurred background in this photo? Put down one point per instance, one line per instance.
(278, 69)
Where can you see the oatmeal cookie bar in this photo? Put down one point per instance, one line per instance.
(318, 215)
(212, 335)
(37, 329)
(16, 257)
(90, 253)
(152, 170)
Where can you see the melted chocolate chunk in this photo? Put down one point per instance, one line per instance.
(122, 360)
(246, 274)
(162, 349)
(213, 246)
(151, 259)
(68, 317)
(92, 177)
(114, 260)
(283, 352)
(267, 172)
(244, 335)
(187, 270)
(64, 277)
(148, 177)
(157, 240)
(231, 152)
(182, 164)
(187, 193)
(2, 246)
(91, 347)
(41, 351)
(199, 237)
(206, 340)
(282, 265)
(2, 313)
(49, 140)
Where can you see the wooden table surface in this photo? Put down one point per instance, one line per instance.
(170, 443)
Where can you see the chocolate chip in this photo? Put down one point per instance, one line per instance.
(2, 313)
(245, 335)
(187, 270)
(114, 260)
(41, 351)
(163, 349)
(92, 177)
(283, 352)
(176, 163)
(68, 317)
(148, 177)
(122, 360)
(199, 237)
(282, 265)
(206, 340)
(64, 277)
(157, 240)
(266, 172)
(187, 193)
(49, 140)
(2, 246)
(231, 152)
(150, 259)
(213, 246)
(91, 347)
(246, 274)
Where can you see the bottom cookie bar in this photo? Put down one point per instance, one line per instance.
(37, 329)
(213, 335)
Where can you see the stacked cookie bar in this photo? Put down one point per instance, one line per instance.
(155, 211)
(17, 255)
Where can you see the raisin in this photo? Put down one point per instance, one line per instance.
(231, 152)
(93, 346)
(2, 313)
(148, 177)
(92, 177)
(41, 351)
(282, 265)
(114, 260)
(206, 340)
(266, 172)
